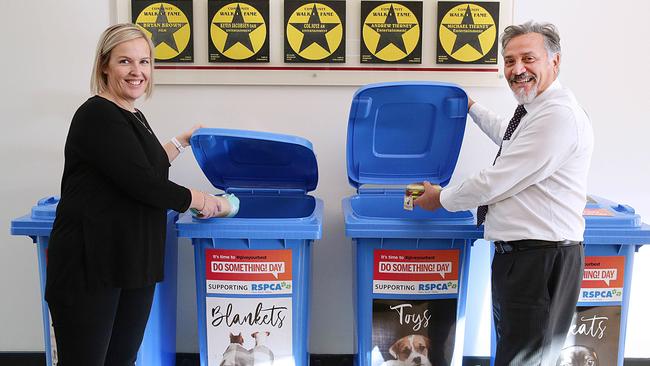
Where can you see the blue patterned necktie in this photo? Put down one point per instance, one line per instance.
(481, 212)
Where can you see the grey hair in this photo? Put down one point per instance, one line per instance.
(547, 30)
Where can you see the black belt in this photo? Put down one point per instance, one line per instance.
(505, 247)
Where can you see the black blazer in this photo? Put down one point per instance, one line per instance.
(110, 223)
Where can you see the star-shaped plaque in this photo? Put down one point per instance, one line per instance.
(467, 32)
(238, 31)
(391, 31)
(314, 31)
(162, 30)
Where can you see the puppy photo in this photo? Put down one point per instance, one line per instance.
(235, 354)
(261, 353)
(412, 350)
(578, 356)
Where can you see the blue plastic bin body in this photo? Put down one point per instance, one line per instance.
(613, 233)
(402, 133)
(159, 343)
(440, 230)
(271, 175)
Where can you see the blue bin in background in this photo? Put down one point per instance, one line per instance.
(253, 270)
(411, 266)
(159, 342)
(613, 233)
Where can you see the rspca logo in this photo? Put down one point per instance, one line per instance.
(601, 295)
(282, 287)
(449, 287)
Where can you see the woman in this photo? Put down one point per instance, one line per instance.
(106, 248)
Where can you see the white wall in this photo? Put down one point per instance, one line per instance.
(46, 60)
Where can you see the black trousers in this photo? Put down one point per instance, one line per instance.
(101, 328)
(534, 296)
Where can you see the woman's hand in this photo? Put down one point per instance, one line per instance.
(216, 206)
(184, 138)
(209, 205)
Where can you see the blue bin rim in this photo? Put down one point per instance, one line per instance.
(308, 227)
(361, 227)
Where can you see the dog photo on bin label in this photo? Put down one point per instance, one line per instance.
(578, 356)
(413, 332)
(593, 337)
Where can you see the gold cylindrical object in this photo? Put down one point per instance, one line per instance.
(412, 192)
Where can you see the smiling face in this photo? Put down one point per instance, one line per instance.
(528, 67)
(128, 71)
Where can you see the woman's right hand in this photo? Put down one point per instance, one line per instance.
(209, 205)
(216, 206)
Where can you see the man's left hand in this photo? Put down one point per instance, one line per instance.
(430, 199)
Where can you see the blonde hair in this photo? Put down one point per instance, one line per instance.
(113, 36)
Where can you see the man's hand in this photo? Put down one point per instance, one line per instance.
(430, 199)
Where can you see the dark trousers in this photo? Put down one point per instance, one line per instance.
(534, 296)
(101, 328)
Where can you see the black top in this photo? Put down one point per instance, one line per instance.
(111, 220)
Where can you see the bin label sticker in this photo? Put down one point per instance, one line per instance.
(593, 337)
(468, 32)
(249, 331)
(248, 272)
(415, 272)
(596, 212)
(413, 332)
(603, 279)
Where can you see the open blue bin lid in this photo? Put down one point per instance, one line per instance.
(405, 132)
(238, 159)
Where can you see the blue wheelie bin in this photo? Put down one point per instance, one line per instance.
(253, 269)
(159, 343)
(613, 233)
(411, 266)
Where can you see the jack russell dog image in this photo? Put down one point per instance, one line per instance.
(412, 350)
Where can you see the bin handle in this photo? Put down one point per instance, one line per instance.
(46, 201)
(624, 209)
(362, 105)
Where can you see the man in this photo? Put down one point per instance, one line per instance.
(534, 195)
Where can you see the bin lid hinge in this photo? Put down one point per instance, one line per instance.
(381, 189)
(267, 191)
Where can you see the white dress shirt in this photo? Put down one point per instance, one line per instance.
(537, 188)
